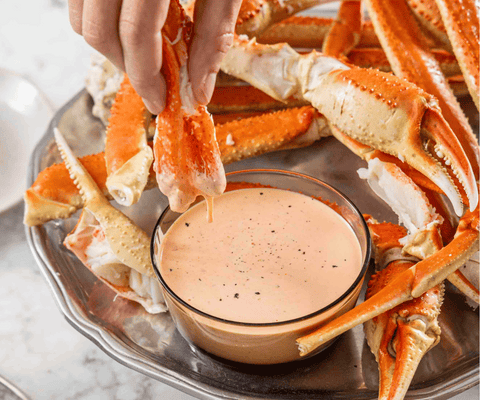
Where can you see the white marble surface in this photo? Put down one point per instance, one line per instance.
(39, 351)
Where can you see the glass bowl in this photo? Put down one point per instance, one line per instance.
(272, 342)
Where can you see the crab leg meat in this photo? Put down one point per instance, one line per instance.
(127, 155)
(374, 108)
(109, 243)
(187, 158)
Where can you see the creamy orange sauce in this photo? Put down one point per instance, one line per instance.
(269, 255)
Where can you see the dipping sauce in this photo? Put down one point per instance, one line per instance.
(270, 255)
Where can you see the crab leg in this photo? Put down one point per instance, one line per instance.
(257, 15)
(301, 32)
(187, 158)
(455, 24)
(374, 57)
(54, 195)
(309, 32)
(400, 337)
(430, 21)
(377, 109)
(294, 128)
(127, 154)
(108, 242)
(461, 21)
(400, 36)
(244, 98)
(345, 31)
(408, 285)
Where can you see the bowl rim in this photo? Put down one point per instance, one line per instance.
(352, 287)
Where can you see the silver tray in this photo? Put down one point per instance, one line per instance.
(151, 345)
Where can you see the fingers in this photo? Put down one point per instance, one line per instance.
(99, 28)
(140, 27)
(128, 32)
(214, 24)
(75, 10)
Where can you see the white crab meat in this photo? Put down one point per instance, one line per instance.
(403, 196)
(89, 243)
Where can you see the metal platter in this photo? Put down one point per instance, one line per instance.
(151, 345)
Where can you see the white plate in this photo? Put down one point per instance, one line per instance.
(24, 115)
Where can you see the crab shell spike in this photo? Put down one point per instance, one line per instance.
(374, 108)
(118, 228)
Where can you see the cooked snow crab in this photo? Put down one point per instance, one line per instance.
(400, 337)
(419, 148)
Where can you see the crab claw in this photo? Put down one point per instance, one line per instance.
(399, 342)
(374, 108)
(399, 338)
(407, 285)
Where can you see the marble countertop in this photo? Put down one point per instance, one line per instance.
(39, 351)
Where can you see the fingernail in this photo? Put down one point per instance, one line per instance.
(209, 86)
(155, 107)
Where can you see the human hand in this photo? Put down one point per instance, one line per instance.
(127, 32)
